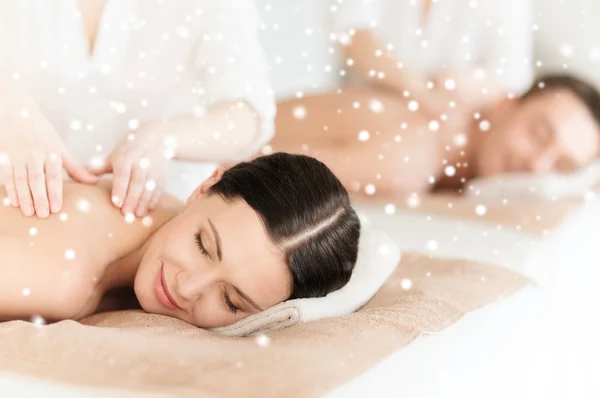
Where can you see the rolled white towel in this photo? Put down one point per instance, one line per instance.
(535, 187)
(378, 257)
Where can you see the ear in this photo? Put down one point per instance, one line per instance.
(205, 186)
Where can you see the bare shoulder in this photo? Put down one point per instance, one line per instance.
(89, 208)
(49, 265)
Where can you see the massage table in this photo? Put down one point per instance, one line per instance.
(530, 342)
(537, 343)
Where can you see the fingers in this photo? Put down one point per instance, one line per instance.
(9, 184)
(21, 181)
(37, 186)
(150, 191)
(121, 179)
(54, 183)
(106, 168)
(154, 200)
(135, 190)
(78, 172)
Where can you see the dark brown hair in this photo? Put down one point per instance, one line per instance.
(306, 212)
(586, 92)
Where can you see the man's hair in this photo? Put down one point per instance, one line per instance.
(306, 212)
(586, 92)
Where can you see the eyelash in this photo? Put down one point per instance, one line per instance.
(200, 245)
(224, 294)
(228, 302)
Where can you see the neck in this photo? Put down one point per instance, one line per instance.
(122, 272)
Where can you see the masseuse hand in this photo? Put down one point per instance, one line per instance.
(32, 157)
(139, 164)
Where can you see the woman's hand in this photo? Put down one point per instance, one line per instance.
(32, 157)
(139, 164)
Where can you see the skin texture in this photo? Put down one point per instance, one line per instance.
(198, 280)
(80, 260)
(551, 131)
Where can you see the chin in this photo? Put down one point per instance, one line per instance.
(144, 292)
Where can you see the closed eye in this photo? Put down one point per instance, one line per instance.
(200, 245)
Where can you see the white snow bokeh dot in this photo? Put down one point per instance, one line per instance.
(406, 284)
(450, 171)
(413, 105)
(83, 205)
(432, 245)
(69, 254)
(390, 208)
(38, 320)
(413, 201)
(370, 189)
(363, 135)
(263, 340)
(480, 210)
(299, 112)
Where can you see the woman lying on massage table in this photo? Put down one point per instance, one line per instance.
(276, 228)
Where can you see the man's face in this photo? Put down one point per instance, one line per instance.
(552, 131)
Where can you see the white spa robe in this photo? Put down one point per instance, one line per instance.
(151, 59)
(494, 37)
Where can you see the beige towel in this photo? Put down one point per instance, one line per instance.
(150, 353)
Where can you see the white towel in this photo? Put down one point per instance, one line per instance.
(536, 187)
(378, 256)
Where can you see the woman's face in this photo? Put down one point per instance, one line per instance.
(548, 132)
(212, 265)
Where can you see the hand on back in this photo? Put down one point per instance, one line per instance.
(32, 156)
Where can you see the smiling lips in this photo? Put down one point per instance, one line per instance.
(162, 291)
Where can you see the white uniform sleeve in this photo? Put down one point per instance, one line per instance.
(230, 61)
(357, 14)
(508, 47)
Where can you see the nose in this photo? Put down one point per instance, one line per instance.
(191, 285)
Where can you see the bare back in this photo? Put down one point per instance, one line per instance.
(52, 267)
(371, 137)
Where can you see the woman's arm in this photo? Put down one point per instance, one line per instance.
(505, 62)
(232, 68)
(371, 59)
(41, 276)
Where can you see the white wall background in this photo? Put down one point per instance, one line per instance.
(296, 37)
(568, 33)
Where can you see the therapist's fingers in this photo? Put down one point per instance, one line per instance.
(106, 168)
(22, 186)
(134, 190)
(154, 200)
(122, 176)
(143, 205)
(54, 183)
(37, 186)
(9, 184)
(77, 172)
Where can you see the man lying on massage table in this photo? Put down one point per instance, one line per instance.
(394, 147)
(275, 228)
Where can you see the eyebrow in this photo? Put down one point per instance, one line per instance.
(219, 255)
